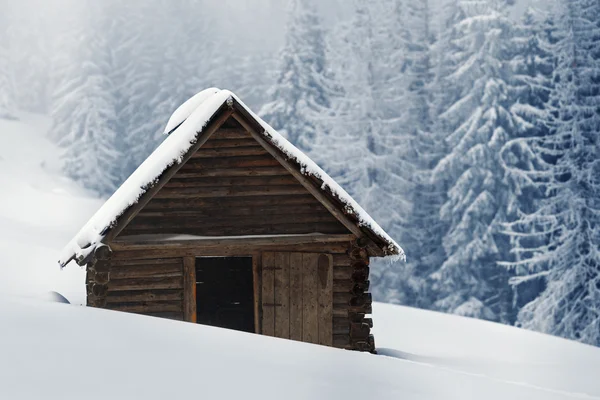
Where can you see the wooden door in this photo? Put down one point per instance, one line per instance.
(297, 296)
(224, 292)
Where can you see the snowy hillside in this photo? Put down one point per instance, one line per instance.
(50, 350)
(39, 211)
(71, 352)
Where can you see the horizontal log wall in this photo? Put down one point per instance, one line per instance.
(232, 186)
(151, 287)
(351, 300)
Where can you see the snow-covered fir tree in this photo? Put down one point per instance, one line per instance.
(423, 148)
(477, 120)
(139, 86)
(301, 96)
(84, 115)
(532, 66)
(568, 218)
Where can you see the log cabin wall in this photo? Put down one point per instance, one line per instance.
(233, 186)
(151, 282)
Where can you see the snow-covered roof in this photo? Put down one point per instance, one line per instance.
(184, 127)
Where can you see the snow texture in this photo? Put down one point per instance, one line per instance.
(424, 355)
(186, 124)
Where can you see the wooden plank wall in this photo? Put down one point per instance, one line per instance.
(146, 286)
(226, 189)
(300, 296)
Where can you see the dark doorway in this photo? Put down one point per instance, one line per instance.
(224, 292)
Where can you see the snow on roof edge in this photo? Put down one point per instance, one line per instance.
(170, 152)
(186, 123)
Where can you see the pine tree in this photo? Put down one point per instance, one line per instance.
(84, 115)
(301, 96)
(140, 82)
(532, 65)
(423, 233)
(475, 115)
(568, 218)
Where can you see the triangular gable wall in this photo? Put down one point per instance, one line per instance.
(231, 186)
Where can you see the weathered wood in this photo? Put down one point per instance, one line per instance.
(256, 171)
(102, 277)
(325, 298)
(350, 286)
(282, 294)
(358, 253)
(322, 243)
(229, 152)
(145, 283)
(274, 211)
(177, 181)
(342, 298)
(229, 162)
(340, 311)
(223, 114)
(371, 341)
(364, 309)
(359, 330)
(237, 191)
(360, 300)
(189, 221)
(189, 289)
(360, 275)
(268, 293)
(256, 286)
(229, 133)
(341, 341)
(340, 326)
(144, 296)
(131, 252)
(103, 252)
(146, 271)
(243, 230)
(310, 285)
(341, 260)
(99, 290)
(215, 204)
(145, 262)
(296, 302)
(155, 307)
(221, 143)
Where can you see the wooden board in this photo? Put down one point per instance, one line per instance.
(256, 265)
(325, 298)
(226, 188)
(296, 303)
(282, 295)
(310, 285)
(298, 297)
(189, 289)
(268, 294)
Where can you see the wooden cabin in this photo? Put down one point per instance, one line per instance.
(227, 224)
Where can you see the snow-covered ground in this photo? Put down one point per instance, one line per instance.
(39, 211)
(58, 351)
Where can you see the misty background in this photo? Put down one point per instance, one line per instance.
(467, 129)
